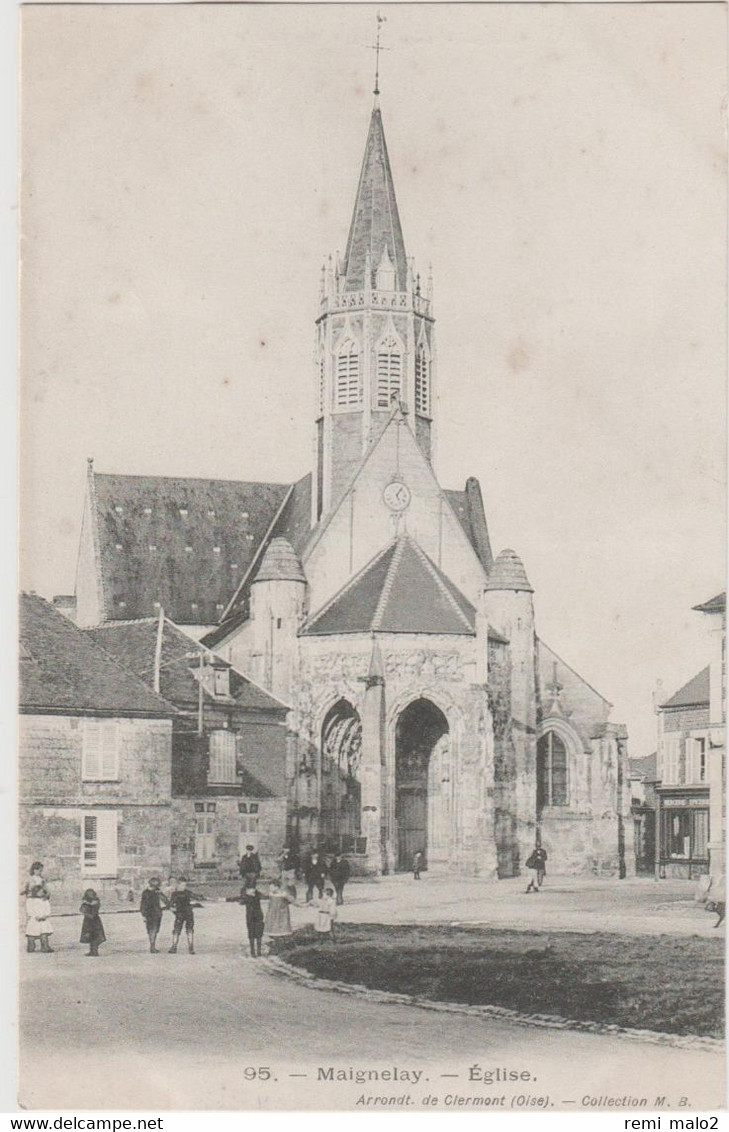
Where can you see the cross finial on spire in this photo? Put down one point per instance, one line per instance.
(377, 48)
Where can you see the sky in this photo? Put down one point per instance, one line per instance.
(186, 170)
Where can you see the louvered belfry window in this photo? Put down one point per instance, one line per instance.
(349, 385)
(422, 382)
(389, 372)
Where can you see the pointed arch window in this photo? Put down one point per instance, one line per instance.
(551, 771)
(422, 380)
(389, 372)
(349, 380)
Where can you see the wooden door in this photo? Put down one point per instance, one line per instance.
(412, 823)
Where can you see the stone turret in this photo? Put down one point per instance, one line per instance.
(509, 606)
(278, 606)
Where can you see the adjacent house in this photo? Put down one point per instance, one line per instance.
(229, 747)
(95, 762)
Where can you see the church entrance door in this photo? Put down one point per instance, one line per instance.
(341, 801)
(421, 732)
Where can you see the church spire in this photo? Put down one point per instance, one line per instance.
(375, 223)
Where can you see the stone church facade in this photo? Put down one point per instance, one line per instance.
(425, 712)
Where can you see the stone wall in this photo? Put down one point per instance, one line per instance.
(269, 840)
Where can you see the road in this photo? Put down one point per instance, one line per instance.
(132, 1030)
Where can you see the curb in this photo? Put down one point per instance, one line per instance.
(277, 966)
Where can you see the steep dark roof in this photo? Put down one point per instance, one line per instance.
(133, 646)
(694, 693)
(399, 591)
(185, 543)
(469, 510)
(375, 220)
(714, 605)
(62, 668)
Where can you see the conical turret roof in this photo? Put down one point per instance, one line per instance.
(508, 573)
(375, 221)
(280, 563)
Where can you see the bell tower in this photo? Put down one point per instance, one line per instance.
(375, 339)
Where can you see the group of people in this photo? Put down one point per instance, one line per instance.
(328, 879)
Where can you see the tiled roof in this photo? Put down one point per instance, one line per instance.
(645, 766)
(293, 524)
(62, 668)
(695, 692)
(133, 646)
(375, 221)
(469, 510)
(280, 563)
(714, 605)
(508, 573)
(399, 591)
(185, 543)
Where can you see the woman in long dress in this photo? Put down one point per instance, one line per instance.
(278, 917)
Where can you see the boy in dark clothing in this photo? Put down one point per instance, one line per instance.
(250, 898)
(250, 864)
(315, 876)
(339, 872)
(181, 905)
(152, 906)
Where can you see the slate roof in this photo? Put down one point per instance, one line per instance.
(185, 543)
(280, 563)
(63, 669)
(508, 573)
(133, 646)
(375, 220)
(399, 591)
(646, 766)
(714, 605)
(693, 694)
(469, 510)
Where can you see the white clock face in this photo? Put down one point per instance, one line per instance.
(396, 495)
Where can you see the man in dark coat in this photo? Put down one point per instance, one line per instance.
(250, 864)
(339, 871)
(315, 875)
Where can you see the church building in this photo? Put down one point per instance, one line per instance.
(425, 712)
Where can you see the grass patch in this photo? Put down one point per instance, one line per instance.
(673, 985)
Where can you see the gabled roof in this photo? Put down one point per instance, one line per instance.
(399, 591)
(63, 669)
(695, 693)
(375, 221)
(714, 605)
(133, 646)
(185, 543)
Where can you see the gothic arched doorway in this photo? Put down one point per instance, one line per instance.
(341, 792)
(423, 782)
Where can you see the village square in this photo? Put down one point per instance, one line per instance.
(304, 793)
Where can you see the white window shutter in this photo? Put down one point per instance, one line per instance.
(109, 749)
(107, 843)
(91, 750)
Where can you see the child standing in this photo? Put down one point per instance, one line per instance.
(92, 929)
(152, 906)
(181, 905)
(250, 897)
(417, 865)
(326, 914)
(38, 925)
(35, 879)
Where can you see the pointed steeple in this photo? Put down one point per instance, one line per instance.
(375, 224)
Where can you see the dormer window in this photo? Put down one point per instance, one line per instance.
(221, 681)
(349, 385)
(422, 381)
(389, 372)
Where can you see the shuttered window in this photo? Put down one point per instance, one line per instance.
(349, 385)
(422, 382)
(671, 759)
(222, 757)
(99, 850)
(100, 750)
(389, 372)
